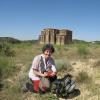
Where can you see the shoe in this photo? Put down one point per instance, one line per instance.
(41, 92)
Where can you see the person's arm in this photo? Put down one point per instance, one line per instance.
(39, 73)
(53, 66)
(35, 67)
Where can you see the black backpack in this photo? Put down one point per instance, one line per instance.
(63, 86)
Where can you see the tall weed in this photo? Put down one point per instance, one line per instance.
(7, 67)
(82, 50)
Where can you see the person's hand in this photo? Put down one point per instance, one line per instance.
(53, 74)
(50, 74)
(45, 74)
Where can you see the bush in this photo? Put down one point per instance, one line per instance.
(7, 67)
(63, 64)
(6, 50)
(82, 50)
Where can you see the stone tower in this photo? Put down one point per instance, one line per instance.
(55, 36)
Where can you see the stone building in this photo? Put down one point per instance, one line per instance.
(55, 36)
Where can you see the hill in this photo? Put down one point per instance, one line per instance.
(9, 39)
(13, 40)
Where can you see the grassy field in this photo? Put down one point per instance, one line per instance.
(81, 60)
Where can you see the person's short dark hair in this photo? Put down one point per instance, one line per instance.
(48, 46)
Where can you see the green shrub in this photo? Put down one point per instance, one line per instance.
(7, 67)
(82, 50)
(6, 50)
(63, 64)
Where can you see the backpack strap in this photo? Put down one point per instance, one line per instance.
(44, 81)
(42, 65)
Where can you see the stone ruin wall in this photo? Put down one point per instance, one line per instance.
(55, 36)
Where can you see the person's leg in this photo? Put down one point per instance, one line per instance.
(52, 79)
(35, 83)
(44, 84)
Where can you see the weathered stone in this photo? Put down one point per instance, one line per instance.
(55, 36)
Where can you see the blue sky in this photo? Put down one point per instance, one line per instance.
(24, 19)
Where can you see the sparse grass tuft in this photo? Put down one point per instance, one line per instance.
(11, 93)
(47, 96)
(96, 64)
(83, 77)
(95, 89)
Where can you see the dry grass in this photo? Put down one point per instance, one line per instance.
(67, 60)
(83, 78)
